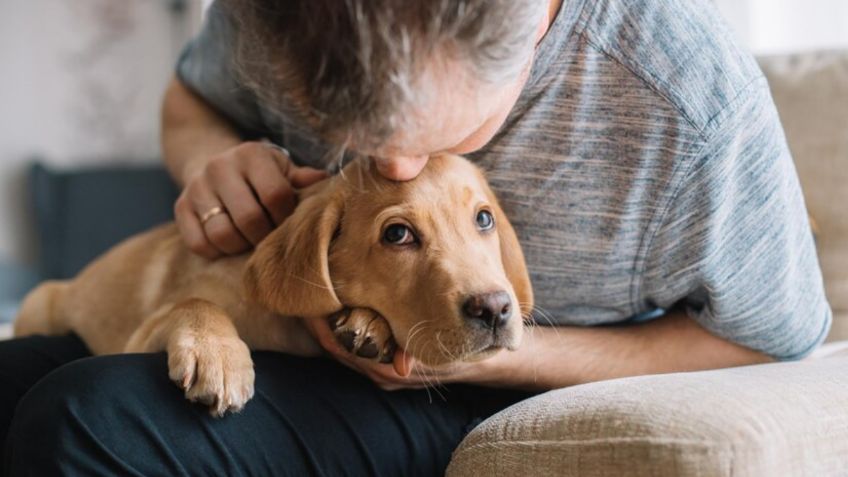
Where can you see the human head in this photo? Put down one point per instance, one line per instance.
(394, 79)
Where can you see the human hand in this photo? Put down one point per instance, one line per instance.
(233, 200)
(402, 371)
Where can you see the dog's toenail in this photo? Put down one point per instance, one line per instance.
(368, 349)
(346, 338)
(338, 319)
(388, 354)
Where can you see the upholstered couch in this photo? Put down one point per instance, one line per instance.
(783, 419)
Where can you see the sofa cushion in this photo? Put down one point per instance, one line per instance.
(839, 330)
(774, 419)
(811, 93)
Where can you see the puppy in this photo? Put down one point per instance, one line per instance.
(431, 264)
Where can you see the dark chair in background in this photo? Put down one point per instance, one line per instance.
(82, 212)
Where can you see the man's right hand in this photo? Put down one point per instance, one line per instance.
(232, 200)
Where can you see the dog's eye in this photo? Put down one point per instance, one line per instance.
(398, 234)
(485, 220)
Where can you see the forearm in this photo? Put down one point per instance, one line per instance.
(554, 357)
(192, 132)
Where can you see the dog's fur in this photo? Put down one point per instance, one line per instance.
(150, 293)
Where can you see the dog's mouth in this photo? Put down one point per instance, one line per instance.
(497, 341)
(489, 346)
(442, 345)
(483, 353)
(473, 348)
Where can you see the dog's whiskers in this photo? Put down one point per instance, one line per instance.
(531, 325)
(431, 382)
(411, 347)
(544, 315)
(436, 383)
(530, 332)
(416, 328)
(444, 349)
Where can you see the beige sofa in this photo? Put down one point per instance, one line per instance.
(783, 419)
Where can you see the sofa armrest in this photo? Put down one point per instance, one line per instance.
(810, 90)
(773, 419)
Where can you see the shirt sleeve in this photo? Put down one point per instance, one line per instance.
(734, 244)
(207, 67)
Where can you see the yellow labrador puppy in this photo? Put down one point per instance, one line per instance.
(432, 263)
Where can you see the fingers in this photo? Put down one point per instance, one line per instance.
(246, 214)
(191, 230)
(250, 183)
(298, 176)
(222, 233)
(301, 177)
(274, 191)
(219, 229)
(224, 182)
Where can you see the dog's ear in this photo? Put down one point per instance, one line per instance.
(512, 258)
(288, 272)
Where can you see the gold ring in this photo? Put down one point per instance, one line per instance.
(211, 213)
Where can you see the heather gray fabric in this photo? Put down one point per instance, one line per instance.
(644, 165)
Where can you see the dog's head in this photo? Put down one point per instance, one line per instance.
(435, 256)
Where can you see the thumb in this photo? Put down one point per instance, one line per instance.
(300, 177)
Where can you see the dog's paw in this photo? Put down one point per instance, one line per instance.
(217, 372)
(364, 332)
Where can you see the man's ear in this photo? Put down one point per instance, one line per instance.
(512, 258)
(288, 272)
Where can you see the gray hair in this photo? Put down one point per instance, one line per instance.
(348, 68)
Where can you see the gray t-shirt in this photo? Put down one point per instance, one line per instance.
(643, 166)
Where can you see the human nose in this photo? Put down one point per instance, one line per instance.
(401, 168)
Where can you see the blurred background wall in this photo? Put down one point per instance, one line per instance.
(82, 79)
(785, 26)
(80, 84)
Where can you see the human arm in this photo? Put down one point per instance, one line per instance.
(206, 114)
(192, 132)
(252, 181)
(555, 357)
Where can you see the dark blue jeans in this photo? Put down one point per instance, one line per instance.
(71, 414)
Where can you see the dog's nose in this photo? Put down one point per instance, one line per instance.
(492, 309)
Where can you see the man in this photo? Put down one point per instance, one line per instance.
(634, 146)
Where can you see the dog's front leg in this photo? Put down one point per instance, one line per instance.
(206, 357)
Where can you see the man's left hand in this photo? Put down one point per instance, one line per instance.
(404, 372)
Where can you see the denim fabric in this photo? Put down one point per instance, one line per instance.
(75, 415)
(643, 166)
